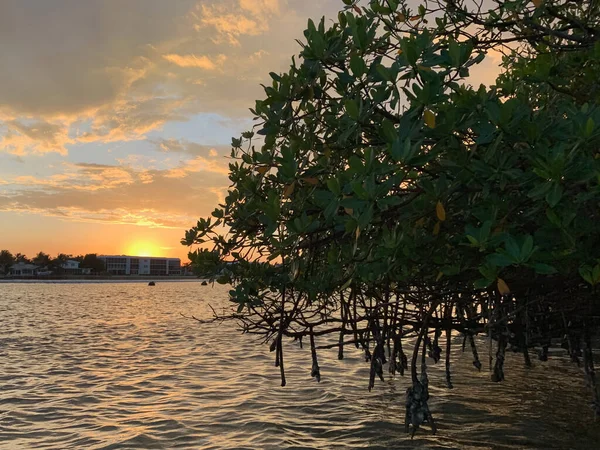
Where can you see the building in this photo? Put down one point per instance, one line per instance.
(141, 265)
(72, 267)
(23, 270)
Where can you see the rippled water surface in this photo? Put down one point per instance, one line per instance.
(115, 365)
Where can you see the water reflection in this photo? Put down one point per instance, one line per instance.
(100, 366)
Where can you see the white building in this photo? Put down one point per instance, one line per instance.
(141, 265)
(23, 270)
(71, 266)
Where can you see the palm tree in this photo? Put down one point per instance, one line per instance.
(41, 259)
(56, 264)
(6, 260)
(21, 258)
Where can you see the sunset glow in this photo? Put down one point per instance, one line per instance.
(141, 248)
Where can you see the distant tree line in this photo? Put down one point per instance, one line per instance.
(41, 259)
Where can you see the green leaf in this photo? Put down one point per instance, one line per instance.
(385, 73)
(527, 248)
(482, 283)
(357, 65)
(474, 242)
(540, 189)
(554, 195)
(352, 108)
(389, 131)
(499, 259)
(544, 269)
(512, 248)
(586, 274)
(346, 285)
(334, 186)
(553, 217)
(589, 127)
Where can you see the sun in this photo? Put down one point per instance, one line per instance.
(143, 248)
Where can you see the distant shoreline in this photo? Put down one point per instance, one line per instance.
(100, 279)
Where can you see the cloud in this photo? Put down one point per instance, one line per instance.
(68, 57)
(131, 119)
(127, 69)
(34, 136)
(201, 62)
(185, 146)
(119, 194)
(143, 217)
(79, 177)
(229, 25)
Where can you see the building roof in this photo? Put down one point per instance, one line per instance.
(140, 257)
(23, 265)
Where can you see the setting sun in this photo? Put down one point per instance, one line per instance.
(143, 248)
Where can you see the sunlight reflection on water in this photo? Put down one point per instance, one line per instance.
(115, 365)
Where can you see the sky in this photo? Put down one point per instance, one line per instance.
(116, 115)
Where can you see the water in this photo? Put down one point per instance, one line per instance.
(116, 366)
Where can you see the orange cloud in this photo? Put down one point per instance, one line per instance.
(199, 164)
(118, 194)
(252, 19)
(201, 62)
(37, 136)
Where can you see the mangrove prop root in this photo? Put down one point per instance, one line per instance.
(435, 351)
(498, 374)
(373, 324)
(315, 371)
(476, 361)
(588, 362)
(417, 409)
(448, 374)
(526, 357)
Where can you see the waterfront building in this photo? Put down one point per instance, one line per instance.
(23, 270)
(71, 266)
(141, 265)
